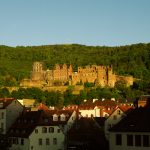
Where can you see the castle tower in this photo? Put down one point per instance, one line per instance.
(102, 76)
(37, 73)
(111, 77)
(64, 73)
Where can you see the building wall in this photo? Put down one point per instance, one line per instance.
(90, 112)
(19, 146)
(123, 146)
(2, 121)
(34, 139)
(71, 121)
(113, 119)
(12, 114)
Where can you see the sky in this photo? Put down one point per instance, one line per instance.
(87, 22)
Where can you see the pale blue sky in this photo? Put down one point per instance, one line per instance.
(88, 22)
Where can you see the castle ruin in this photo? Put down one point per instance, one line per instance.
(64, 74)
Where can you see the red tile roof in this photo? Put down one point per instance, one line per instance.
(42, 106)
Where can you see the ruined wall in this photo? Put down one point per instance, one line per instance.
(101, 75)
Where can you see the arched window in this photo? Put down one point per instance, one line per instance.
(51, 129)
(44, 130)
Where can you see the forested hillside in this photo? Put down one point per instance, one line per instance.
(16, 62)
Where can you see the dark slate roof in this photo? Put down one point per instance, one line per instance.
(100, 121)
(5, 102)
(86, 132)
(136, 121)
(28, 121)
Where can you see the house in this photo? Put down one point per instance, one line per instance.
(10, 109)
(97, 108)
(117, 114)
(70, 107)
(133, 131)
(86, 134)
(143, 100)
(41, 130)
(89, 111)
(39, 106)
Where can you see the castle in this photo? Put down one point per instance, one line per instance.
(64, 74)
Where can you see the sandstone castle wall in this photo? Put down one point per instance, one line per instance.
(62, 74)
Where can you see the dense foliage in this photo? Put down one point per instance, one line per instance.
(16, 64)
(56, 98)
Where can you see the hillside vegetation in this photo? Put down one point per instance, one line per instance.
(16, 62)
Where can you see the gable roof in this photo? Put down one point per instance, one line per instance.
(136, 121)
(86, 132)
(4, 102)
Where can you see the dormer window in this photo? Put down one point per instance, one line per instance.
(62, 117)
(55, 117)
